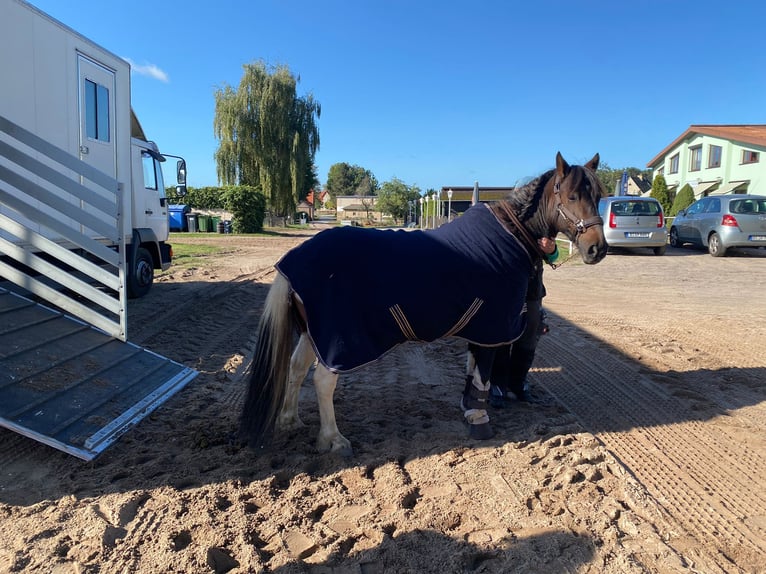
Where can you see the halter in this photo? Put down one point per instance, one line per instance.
(580, 225)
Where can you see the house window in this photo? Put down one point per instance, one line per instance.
(714, 156)
(673, 164)
(695, 163)
(661, 171)
(96, 111)
(749, 156)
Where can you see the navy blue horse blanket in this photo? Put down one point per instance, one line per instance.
(366, 290)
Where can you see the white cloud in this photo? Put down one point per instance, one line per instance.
(149, 70)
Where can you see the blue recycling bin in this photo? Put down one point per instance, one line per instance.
(177, 217)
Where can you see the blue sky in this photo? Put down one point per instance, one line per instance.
(445, 93)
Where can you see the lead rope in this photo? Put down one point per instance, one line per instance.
(560, 263)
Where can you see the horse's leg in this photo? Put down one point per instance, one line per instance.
(329, 438)
(476, 393)
(300, 361)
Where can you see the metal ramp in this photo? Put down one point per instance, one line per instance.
(71, 386)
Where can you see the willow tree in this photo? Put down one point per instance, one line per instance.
(267, 135)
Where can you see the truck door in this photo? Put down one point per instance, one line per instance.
(151, 209)
(97, 115)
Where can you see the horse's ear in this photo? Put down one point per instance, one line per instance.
(562, 167)
(593, 164)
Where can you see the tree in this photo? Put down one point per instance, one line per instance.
(345, 179)
(684, 198)
(267, 135)
(311, 181)
(660, 192)
(395, 196)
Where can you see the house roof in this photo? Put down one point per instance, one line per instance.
(641, 183)
(464, 193)
(749, 134)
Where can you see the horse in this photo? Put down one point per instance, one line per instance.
(465, 279)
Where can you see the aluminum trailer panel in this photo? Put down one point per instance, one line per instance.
(71, 386)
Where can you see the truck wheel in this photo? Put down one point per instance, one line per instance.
(141, 274)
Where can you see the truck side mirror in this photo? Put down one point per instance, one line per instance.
(181, 178)
(181, 173)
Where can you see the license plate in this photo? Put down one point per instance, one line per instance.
(758, 238)
(637, 234)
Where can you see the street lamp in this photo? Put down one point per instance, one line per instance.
(449, 205)
(421, 213)
(433, 198)
(428, 211)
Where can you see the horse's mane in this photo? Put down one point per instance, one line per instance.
(524, 201)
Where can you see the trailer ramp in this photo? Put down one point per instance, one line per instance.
(70, 385)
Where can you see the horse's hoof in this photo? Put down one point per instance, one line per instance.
(338, 446)
(344, 451)
(481, 431)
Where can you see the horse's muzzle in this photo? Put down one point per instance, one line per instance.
(593, 252)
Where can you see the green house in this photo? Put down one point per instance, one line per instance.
(715, 160)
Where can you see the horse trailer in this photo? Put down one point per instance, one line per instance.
(83, 211)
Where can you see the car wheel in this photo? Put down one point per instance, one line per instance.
(660, 250)
(714, 246)
(141, 274)
(674, 242)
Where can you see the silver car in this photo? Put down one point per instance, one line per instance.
(633, 221)
(721, 222)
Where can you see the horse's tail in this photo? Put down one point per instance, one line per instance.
(270, 367)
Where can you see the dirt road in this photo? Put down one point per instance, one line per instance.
(646, 451)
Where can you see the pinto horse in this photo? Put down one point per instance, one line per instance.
(352, 294)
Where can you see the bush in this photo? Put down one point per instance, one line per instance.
(247, 205)
(203, 198)
(684, 198)
(660, 192)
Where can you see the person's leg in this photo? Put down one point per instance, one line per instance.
(501, 372)
(523, 352)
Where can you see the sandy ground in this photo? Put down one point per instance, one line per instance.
(646, 450)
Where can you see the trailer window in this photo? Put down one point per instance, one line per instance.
(150, 174)
(96, 111)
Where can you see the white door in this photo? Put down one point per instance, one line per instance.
(97, 119)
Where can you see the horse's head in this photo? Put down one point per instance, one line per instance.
(572, 195)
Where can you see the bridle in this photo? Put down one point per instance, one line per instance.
(580, 225)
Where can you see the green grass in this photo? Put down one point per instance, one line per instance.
(191, 255)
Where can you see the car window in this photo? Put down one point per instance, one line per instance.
(748, 206)
(646, 208)
(621, 207)
(713, 205)
(695, 207)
